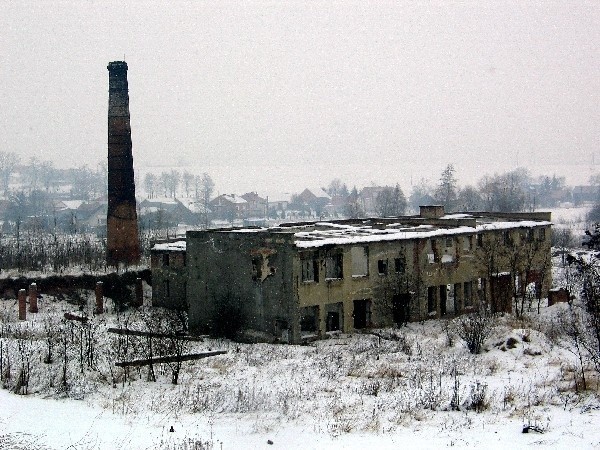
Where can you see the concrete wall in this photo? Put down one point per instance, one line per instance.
(260, 280)
(241, 280)
(169, 279)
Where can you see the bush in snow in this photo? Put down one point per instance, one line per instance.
(474, 329)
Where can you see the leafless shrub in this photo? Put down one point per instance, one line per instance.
(474, 329)
(477, 399)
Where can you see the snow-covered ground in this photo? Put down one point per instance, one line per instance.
(413, 387)
(351, 391)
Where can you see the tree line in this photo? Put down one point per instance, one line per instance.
(513, 191)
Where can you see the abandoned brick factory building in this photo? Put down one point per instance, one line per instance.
(306, 279)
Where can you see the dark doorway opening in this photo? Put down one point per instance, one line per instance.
(362, 314)
(443, 299)
(400, 311)
(333, 321)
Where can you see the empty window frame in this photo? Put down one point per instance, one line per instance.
(449, 242)
(382, 266)
(542, 234)
(334, 266)
(310, 268)
(165, 259)
(400, 264)
(360, 261)
(467, 243)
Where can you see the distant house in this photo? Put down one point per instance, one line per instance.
(167, 210)
(315, 198)
(79, 214)
(229, 207)
(93, 214)
(257, 206)
(279, 203)
(582, 194)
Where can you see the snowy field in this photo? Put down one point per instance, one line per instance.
(356, 391)
(413, 387)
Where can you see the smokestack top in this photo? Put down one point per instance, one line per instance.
(117, 66)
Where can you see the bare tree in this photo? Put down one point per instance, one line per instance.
(8, 163)
(187, 180)
(150, 184)
(446, 192)
(390, 202)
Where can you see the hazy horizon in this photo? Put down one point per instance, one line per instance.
(261, 94)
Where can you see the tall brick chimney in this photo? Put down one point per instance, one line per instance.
(123, 244)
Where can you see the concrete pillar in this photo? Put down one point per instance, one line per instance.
(22, 304)
(99, 298)
(139, 292)
(33, 305)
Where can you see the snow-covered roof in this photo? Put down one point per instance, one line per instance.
(72, 204)
(194, 206)
(177, 246)
(232, 198)
(342, 234)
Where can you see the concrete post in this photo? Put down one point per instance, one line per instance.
(139, 292)
(99, 298)
(33, 296)
(22, 304)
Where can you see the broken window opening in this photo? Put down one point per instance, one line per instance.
(165, 259)
(400, 264)
(310, 269)
(167, 288)
(448, 242)
(382, 266)
(334, 266)
(542, 234)
(467, 243)
(480, 240)
(360, 261)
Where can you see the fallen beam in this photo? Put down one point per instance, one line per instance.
(70, 316)
(168, 359)
(128, 332)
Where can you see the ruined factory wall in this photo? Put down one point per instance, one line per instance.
(240, 281)
(169, 274)
(119, 287)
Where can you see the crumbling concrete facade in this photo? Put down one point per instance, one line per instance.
(123, 245)
(169, 275)
(299, 280)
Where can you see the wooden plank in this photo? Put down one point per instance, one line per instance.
(168, 359)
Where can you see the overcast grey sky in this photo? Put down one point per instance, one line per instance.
(268, 89)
